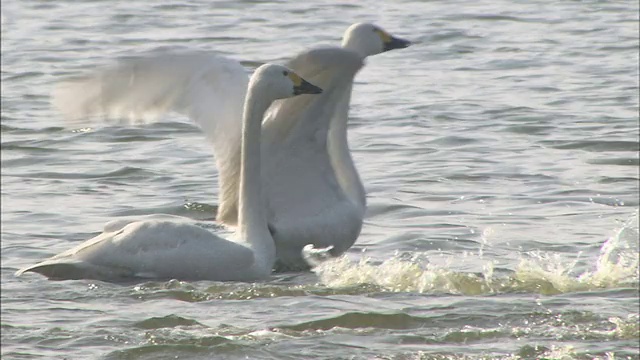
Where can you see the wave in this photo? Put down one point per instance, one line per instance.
(537, 272)
(526, 352)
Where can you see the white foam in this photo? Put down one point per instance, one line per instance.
(555, 353)
(538, 272)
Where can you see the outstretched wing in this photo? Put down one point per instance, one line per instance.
(208, 88)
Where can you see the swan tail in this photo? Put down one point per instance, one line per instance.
(74, 270)
(315, 256)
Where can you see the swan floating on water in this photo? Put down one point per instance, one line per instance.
(177, 249)
(313, 190)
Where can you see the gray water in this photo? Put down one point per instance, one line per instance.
(499, 152)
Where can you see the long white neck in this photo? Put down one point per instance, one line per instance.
(319, 113)
(341, 160)
(252, 222)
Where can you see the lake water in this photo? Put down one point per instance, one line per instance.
(499, 152)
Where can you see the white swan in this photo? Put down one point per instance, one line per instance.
(169, 249)
(313, 160)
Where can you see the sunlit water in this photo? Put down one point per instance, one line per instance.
(500, 155)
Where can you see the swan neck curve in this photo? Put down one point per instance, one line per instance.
(252, 222)
(340, 154)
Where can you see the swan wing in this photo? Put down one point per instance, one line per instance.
(328, 67)
(208, 88)
(121, 222)
(151, 249)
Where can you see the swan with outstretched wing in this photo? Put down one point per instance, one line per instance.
(175, 248)
(299, 158)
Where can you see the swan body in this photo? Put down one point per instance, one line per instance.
(306, 201)
(305, 152)
(153, 249)
(173, 248)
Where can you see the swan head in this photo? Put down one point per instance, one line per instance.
(368, 39)
(281, 82)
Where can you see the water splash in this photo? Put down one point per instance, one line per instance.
(628, 328)
(529, 352)
(537, 272)
(621, 250)
(399, 275)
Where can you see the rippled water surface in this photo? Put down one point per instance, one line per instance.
(499, 152)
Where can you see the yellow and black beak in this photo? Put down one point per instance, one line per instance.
(302, 86)
(391, 42)
(396, 43)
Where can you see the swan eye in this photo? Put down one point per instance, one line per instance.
(285, 73)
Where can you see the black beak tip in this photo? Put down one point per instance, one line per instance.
(404, 43)
(396, 43)
(307, 88)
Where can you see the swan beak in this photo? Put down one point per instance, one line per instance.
(392, 42)
(305, 87)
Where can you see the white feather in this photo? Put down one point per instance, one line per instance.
(312, 186)
(170, 247)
